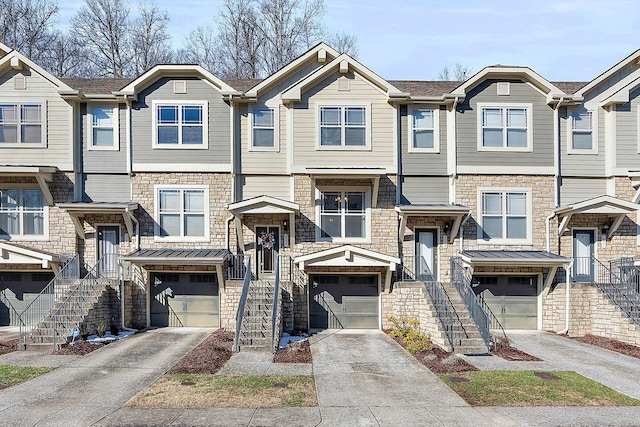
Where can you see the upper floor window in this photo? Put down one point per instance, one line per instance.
(21, 123)
(104, 128)
(423, 130)
(263, 129)
(344, 127)
(182, 213)
(581, 133)
(505, 215)
(344, 215)
(22, 213)
(180, 124)
(504, 127)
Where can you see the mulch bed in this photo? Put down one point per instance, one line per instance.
(513, 354)
(79, 348)
(8, 346)
(208, 357)
(433, 360)
(611, 344)
(297, 352)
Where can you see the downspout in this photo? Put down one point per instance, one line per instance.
(226, 231)
(548, 227)
(567, 282)
(556, 151)
(138, 245)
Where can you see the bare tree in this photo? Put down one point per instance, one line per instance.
(344, 43)
(458, 73)
(239, 40)
(200, 48)
(26, 25)
(67, 57)
(150, 42)
(104, 26)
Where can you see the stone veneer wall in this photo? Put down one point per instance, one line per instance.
(135, 306)
(105, 311)
(229, 299)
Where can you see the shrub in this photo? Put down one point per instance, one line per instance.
(101, 330)
(408, 329)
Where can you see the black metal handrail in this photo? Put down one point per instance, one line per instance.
(623, 295)
(242, 302)
(275, 312)
(462, 284)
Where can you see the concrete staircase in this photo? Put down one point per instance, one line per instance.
(467, 339)
(255, 333)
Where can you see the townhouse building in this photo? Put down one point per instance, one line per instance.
(347, 197)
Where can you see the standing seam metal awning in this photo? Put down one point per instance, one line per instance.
(514, 258)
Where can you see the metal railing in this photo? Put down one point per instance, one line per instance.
(462, 283)
(243, 300)
(415, 268)
(43, 303)
(238, 267)
(14, 316)
(629, 273)
(69, 313)
(618, 291)
(276, 310)
(495, 323)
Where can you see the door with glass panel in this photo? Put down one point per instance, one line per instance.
(583, 253)
(426, 254)
(108, 241)
(268, 245)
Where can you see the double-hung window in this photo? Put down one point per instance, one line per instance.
(182, 213)
(181, 124)
(104, 128)
(21, 123)
(504, 127)
(344, 127)
(23, 213)
(582, 138)
(423, 130)
(505, 215)
(344, 215)
(263, 129)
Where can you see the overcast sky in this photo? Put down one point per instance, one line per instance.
(564, 40)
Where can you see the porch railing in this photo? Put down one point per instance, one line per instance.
(629, 273)
(243, 300)
(618, 291)
(415, 268)
(43, 303)
(276, 315)
(462, 283)
(238, 267)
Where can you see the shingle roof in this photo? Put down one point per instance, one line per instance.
(97, 86)
(569, 87)
(242, 85)
(425, 87)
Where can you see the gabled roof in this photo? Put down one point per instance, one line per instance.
(342, 62)
(607, 205)
(4, 49)
(102, 86)
(14, 254)
(263, 205)
(347, 255)
(634, 58)
(159, 71)
(16, 60)
(321, 51)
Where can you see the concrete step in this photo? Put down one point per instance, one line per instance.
(44, 348)
(470, 350)
(255, 348)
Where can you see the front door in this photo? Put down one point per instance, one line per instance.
(267, 244)
(426, 251)
(583, 253)
(108, 241)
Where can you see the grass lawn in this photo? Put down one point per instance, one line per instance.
(227, 391)
(527, 388)
(12, 375)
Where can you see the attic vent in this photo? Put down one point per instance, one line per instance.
(19, 83)
(343, 84)
(180, 86)
(504, 88)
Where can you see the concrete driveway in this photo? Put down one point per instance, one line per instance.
(85, 390)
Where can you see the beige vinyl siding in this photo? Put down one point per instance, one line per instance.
(57, 151)
(104, 161)
(581, 164)
(291, 78)
(262, 161)
(425, 189)
(575, 190)
(274, 186)
(219, 124)
(306, 122)
(467, 127)
(106, 188)
(423, 163)
(627, 133)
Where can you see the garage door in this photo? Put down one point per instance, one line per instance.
(185, 300)
(19, 289)
(513, 299)
(343, 302)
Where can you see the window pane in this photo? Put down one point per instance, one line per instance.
(423, 119)
(8, 113)
(330, 136)
(263, 117)
(194, 225)
(492, 203)
(330, 116)
(8, 133)
(582, 121)
(169, 200)
(516, 137)
(423, 139)
(492, 117)
(355, 202)
(517, 117)
(167, 114)
(103, 137)
(30, 114)
(9, 223)
(9, 199)
(516, 204)
(355, 136)
(167, 134)
(354, 226)
(194, 201)
(33, 224)
(169, 225)
(355, 116)
(32, 200)
(331, 202)
(31, 134)
(582, 141)
(263, 137)
(492, 227)
(492, 137)
(102, 116)
(192, 134)
(192, 114)
(330, 226)
(516, 228)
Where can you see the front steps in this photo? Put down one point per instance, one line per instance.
(255, 333)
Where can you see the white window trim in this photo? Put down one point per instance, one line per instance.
(205, 126)
(276, 129)
(22, 237)
(505, 241)
(43, 124)
(116, 129)
(529, 107)
(368, 127)
(436, 130)
(594, 132)
(367, 201)
(156, 214)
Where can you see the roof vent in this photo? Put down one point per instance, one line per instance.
(180, 86)
(19, 82)
(504, 88)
